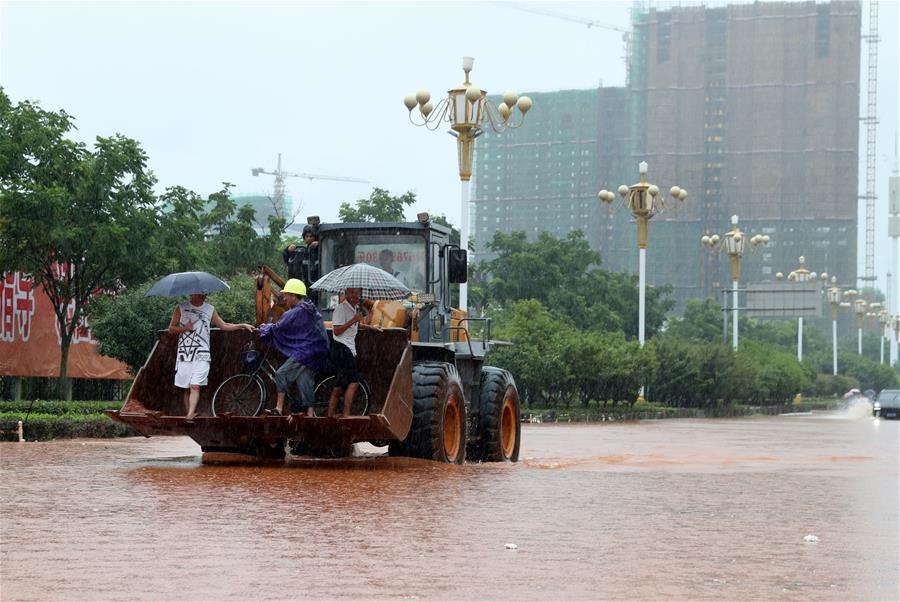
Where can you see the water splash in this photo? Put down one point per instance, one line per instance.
(857, 408)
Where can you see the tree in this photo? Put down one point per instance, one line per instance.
(454, 231)
(77, 220)
(379, 207)
(233, 245)
(564, 274)
(701, 321)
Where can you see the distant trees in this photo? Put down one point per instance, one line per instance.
(381, 206)
(76, 219)
(83, 221)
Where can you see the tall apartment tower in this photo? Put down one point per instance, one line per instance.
(545, 176)
(753, 108)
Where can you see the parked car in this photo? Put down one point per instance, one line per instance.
(887, 404)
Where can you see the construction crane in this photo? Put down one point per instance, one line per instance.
(280, 175)
(549, 13)
(871, 121)
(589, 23)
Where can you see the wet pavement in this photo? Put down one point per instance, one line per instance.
(669, 509)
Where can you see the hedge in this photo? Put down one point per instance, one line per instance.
(44, 427)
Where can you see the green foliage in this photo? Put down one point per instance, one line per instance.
(454, 231)
(779, 376)
(700, 321)
(868, 373)
(127, 325)
(71, 216)
(828, 385)
(45, 427)
(555, 364)
(563, 274)
(379, 207)
(57, 408)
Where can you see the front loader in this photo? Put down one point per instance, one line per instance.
(431, 396)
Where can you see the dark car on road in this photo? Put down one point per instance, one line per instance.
(887, 404)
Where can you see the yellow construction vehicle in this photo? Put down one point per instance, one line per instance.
(428, 393)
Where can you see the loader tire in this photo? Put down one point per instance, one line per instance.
(438, 430)
(497, 427)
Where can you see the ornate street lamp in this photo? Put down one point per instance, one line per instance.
(834, 295)
(735, 243)
(801, 274)
(644, 202)
(466, 108)
(859, 306)
(895, 324)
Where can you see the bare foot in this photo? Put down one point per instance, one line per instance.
(191, 416)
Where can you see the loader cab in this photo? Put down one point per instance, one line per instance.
(417, 253)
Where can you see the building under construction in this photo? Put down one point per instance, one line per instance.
(752, 108)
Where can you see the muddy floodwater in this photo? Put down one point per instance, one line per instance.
(770, 508)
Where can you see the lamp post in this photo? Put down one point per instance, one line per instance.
(644, 202)
(884, 319)
(801, 274)
(859, 306)
(466, 108)
(833, 295)
(895, 323)
(735, 243)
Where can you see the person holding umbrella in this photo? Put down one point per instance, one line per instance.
(358, 280)
(191, 321)
(345, 323)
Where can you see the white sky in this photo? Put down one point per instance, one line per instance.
(211, 89)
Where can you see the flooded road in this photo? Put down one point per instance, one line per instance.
(676, 509)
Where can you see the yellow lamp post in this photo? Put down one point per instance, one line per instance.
(735, 243)
(801, 274)
(834, 295)
(883, 319)
(859, 306)
(466, 108)
(644, 202)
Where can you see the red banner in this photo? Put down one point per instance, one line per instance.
(30, 339)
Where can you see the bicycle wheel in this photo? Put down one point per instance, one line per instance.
(323, 394)
(240, 395)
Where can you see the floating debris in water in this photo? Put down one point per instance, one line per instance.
(811, 538)
(512, 546)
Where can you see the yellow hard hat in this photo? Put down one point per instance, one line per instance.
(295, 286)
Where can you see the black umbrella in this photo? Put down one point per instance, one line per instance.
(186, 283)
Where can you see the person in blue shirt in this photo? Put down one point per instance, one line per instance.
(300, 335)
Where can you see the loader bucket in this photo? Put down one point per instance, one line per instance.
(155, 406)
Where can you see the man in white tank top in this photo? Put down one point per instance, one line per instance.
(192, 320)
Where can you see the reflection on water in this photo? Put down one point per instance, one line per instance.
(699, 509)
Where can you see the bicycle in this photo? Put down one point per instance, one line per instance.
(246, 394)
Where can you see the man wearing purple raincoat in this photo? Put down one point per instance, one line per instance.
(300, 335)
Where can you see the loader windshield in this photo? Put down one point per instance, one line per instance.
(403, 256)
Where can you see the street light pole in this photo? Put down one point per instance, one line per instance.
(859, 306)
(643, 202)
(801, 274)
(466, 108)
(735, 243)
(834, 297)
(884, 320)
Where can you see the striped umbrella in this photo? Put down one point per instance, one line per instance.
(374, 282)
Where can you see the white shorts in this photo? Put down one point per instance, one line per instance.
(191, 373)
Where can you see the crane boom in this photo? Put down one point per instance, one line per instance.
(548, 13)
(280, 175)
